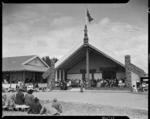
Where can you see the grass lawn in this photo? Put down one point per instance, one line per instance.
(99, 102)
(77, 108)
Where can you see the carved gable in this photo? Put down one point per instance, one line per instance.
(36, 62)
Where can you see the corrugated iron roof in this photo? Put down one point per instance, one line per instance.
(16, 64)
(35, 68)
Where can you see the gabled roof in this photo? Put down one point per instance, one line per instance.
(18, 63)
(67, 56)
(78, 49)
(136, 70)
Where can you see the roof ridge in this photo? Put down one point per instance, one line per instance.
(137, 69)
(20, 56)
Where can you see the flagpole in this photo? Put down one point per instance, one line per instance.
(85, 14)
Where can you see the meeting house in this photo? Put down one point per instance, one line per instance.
(91, 65)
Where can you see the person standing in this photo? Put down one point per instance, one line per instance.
(20, 97)
(81, 85)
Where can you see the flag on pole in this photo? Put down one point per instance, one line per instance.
(89, 16)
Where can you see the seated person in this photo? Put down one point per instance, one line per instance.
(35, 107)
(21, 86)
(36, 87)
(3, 99)
(57, 105)
(29, 97)
(143, 86)
(134, 89)
(3, 90)
(20, 97)
(30, 86)
(5, 81)
(9, 100)
(48, 109)
(17, 87)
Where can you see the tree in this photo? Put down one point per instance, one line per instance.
(47, 60)
(55, 59)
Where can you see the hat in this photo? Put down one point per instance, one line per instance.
(30, 91)
(55, 100)
(36, 99)
(9, 90)
(20, 89)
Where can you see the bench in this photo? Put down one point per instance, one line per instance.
(22, 107)
(42, 88)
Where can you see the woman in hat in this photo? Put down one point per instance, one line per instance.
(35, 107)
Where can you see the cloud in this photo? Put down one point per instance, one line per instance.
(63, 22)
(116, 39)
(104, 22)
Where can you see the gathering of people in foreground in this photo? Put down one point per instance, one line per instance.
(31, 104)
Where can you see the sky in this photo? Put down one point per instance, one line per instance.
(55, 29)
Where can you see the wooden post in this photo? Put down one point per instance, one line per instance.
(59, 75)
(87, 64)
(56, 75)
(51, 78)
(10, 79)
(63, 75)
(23, 77)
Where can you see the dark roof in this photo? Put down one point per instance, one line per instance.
(137, 70)
(16, 64)
(78, 53)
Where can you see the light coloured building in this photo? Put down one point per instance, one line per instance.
(24, 68)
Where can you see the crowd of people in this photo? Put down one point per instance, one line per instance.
(26, 87)
(11, 100)
(110, 83)
(98, 83)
